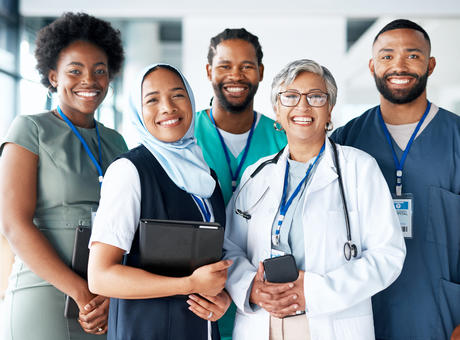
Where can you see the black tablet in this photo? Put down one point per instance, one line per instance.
(80, 257)
(177, 248)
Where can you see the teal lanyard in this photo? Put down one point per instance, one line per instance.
(85, 145)
(235, 175)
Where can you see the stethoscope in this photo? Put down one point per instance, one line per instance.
(349, 248)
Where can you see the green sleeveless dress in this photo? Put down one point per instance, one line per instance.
(67, 189)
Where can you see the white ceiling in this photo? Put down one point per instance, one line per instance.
(180, 8)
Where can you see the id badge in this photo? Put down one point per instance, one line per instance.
(277, 253)
(404, 205)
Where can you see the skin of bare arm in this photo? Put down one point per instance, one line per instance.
(18, 196)
(107, 276)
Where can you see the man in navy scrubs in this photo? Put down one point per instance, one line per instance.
(417, 146)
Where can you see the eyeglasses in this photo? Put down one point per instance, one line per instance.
(292, 98)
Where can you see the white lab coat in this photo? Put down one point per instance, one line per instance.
(337, 293)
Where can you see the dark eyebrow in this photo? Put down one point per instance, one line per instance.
(386, 50)
(157, 92)
(243, 62)
(311, 90)
(151, 93)
(414, 50)
(76, 63)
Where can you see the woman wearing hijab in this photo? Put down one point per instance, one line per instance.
(165, 177)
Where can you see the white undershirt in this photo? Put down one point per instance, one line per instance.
(402, 133)
(119, 211)
(236, 142)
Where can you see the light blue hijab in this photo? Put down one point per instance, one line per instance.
(182, 160)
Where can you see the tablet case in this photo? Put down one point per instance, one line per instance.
(177, 248)
(80, 257)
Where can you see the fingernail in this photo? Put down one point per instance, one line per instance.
(294, 297)
(189, 302)
(88, 307)
(192, 297)
(257, 291)
(261, 304)
(291, 285)
(296, 306)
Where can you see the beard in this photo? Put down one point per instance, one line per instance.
(235, 107)
(401, 96)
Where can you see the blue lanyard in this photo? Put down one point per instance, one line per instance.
(85, 146)
(234, 176)
(399, 165)
(285, 205)
(203, 207)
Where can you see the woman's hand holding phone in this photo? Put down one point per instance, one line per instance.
(279, 299)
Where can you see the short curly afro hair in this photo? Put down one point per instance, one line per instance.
(70, 27)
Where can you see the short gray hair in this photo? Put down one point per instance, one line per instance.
(288, 74)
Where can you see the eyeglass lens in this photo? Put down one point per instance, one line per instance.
(291, 98)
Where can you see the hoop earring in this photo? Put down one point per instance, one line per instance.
(329, 126)
(277, 126)
(49, 94)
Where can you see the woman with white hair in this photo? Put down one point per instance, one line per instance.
(326, 205)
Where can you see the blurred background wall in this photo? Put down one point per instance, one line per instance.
(336, 33)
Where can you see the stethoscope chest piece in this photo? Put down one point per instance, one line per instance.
(350, 250)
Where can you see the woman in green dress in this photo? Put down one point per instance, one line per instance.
(50, 173)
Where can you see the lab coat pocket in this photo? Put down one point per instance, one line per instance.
(355, 328)
(444, 218)
(336, 236)
(449, 296)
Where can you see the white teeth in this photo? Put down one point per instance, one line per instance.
(302, 119)
(87, 94)
(399, 81)
(169, 122)
(235, 89)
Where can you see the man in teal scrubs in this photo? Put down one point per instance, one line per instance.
(417, 146)
(231, 134)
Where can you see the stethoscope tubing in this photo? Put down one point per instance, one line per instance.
(349, 248)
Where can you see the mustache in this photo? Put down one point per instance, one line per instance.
(401, 74)
(245, 83)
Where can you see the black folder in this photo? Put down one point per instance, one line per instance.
(177, 248)
(80, 257)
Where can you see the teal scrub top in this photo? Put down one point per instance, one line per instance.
(265, 141)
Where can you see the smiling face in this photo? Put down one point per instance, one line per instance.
(401, 64)
(235, 74)
(81, 79)
(166, 106)
(304, 123)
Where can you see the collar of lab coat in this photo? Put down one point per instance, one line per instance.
(325, 172)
